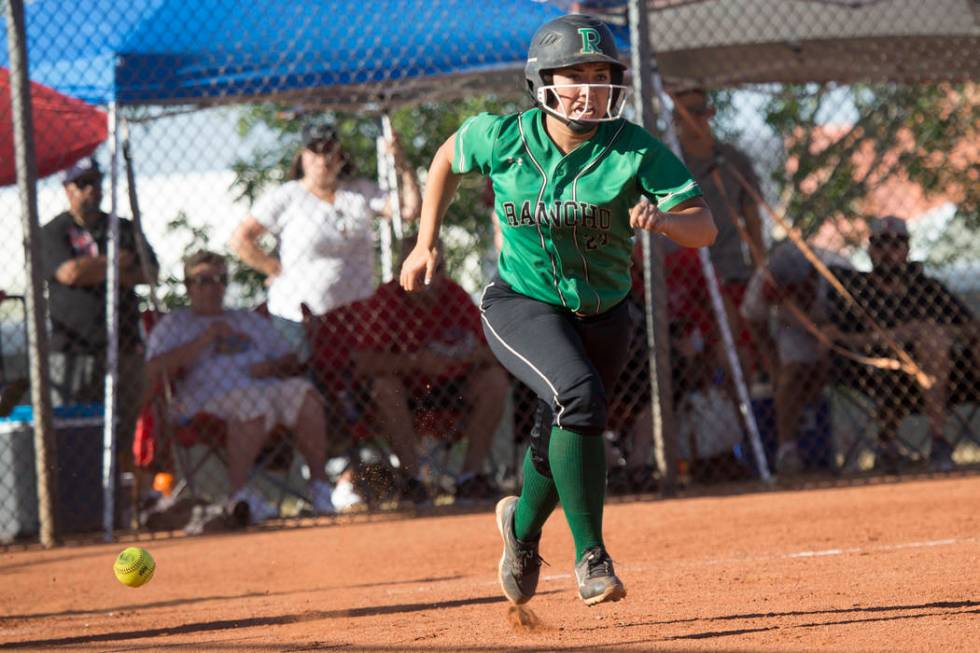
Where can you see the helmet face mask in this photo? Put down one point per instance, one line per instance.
(549, 97)
(570, 41)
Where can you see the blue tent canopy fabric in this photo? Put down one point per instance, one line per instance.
(353, 53)
(168, 51)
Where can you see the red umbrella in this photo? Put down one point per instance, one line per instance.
(65, 130)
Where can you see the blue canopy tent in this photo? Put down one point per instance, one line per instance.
(346, 52)
(352, 53)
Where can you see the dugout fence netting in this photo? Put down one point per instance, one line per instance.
(848, 127)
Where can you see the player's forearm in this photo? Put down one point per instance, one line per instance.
(440, 189)
(690, 227)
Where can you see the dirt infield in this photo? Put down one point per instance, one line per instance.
(887, 567)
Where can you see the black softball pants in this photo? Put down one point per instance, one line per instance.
(568, 360)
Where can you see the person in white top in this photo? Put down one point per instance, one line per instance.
(323, 222)
(235, 365)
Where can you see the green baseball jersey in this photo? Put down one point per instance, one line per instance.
(565, 217)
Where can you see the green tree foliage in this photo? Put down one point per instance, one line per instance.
(921, 133)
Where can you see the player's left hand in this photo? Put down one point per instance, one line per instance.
(418, 268)
(645, 215)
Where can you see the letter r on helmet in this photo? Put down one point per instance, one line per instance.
(590, 39)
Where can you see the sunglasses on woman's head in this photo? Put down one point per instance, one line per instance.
(323, 147)
(208, 279)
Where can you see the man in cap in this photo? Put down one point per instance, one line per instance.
(74, 247)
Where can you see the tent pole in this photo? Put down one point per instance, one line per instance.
(142, 251)
(384, 226)
(112, 332)
(388, 180)
(46, 454)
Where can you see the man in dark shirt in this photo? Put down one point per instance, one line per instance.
(924, 317)
(74, 247)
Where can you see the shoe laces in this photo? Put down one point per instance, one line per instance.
(527, 555)
(598, 562)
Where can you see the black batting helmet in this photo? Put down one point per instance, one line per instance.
(568, 41)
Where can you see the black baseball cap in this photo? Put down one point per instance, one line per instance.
(314, 133)
(85, 168)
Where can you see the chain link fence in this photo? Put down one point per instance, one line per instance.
(267, 164)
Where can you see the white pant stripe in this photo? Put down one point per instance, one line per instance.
(561, 409)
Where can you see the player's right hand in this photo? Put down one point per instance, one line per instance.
(418, 268)
(646, 215)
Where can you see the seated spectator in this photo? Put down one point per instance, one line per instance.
(426, 351)
(794, 358)
(925, 318)
(235, 365)
(709, 428)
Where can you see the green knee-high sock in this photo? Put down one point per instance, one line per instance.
(578, 464)
(538, 500)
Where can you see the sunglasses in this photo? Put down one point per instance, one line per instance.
(84, 183)
(208, 279)
(323, 147)
(888, 241)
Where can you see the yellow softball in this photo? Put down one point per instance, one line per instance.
(134, 567)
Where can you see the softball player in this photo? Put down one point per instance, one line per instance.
(565, 175)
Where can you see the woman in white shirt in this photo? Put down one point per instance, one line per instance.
(323, 221)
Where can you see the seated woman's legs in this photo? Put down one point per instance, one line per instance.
(245, 441)
(311, 434)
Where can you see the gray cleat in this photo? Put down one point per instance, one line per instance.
(597, 581)
(520, 563)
